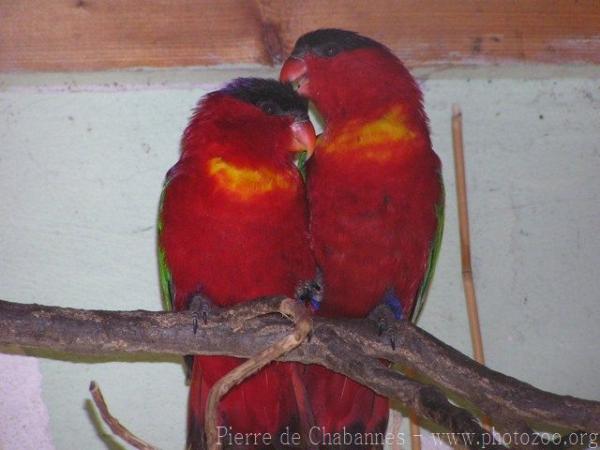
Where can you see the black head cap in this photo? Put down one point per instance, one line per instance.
(273, 97)
(328, 42)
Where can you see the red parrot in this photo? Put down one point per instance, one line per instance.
(233, 226)
(376, 200)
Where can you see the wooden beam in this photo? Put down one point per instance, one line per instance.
(38, 35)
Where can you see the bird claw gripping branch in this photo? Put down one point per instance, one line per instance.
(384, 316)
(201, 307)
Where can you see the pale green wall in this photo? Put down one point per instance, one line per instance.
(82, 158)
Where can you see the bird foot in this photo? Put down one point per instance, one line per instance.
(384, 315)
(201, 308)
(310, 292)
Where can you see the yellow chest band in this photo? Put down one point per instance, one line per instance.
(245, 182)
(371, 138)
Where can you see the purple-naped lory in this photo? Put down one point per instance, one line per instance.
(233, 227)
(376, 200)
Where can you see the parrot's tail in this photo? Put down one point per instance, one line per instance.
(262, 412)
(347, 415)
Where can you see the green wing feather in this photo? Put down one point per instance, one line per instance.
(166, 282)
(433, 255)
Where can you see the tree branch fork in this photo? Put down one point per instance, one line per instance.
(350, 347)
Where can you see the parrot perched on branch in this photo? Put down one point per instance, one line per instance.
(376, 200)
(233, 226)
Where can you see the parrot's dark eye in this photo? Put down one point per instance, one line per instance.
(269, 107)
(331, 50)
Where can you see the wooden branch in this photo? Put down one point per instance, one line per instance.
(350, 347)
(303, 324)
(116, 426)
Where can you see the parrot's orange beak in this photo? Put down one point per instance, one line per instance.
(305, 137)
(294, 71)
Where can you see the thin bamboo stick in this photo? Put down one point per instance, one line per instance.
(465, 243)
(415, 433)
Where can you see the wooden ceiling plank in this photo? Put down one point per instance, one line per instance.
(37, 35)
